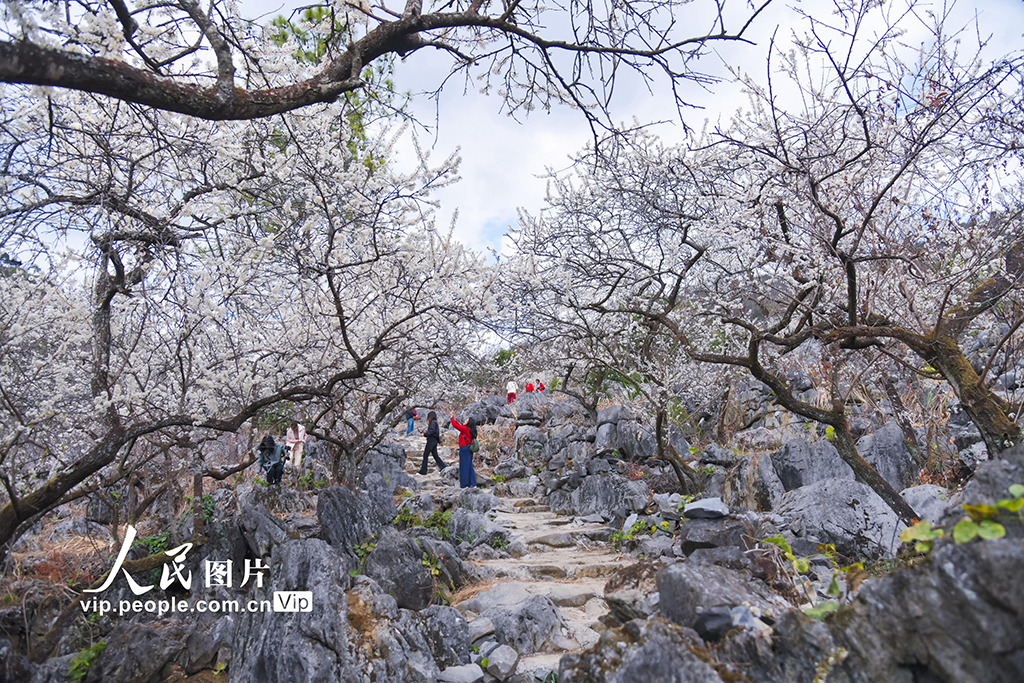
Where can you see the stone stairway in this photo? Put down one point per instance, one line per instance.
(566, 561)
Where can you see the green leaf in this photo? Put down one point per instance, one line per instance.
(980, 512)
(1011, 504)
(833, 587)
(484, 662)
(801, 564)
(922, 531)
(821, 609)
(923, 546)
(964, 531)
(1017, 490)
(990, 530)
(780, 541)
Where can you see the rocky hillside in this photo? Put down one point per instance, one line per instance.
(576, 560)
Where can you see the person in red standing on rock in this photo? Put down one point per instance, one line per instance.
(467, 432)
(529, 387)
(510, 392)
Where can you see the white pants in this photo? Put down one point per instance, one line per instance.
(295, 457)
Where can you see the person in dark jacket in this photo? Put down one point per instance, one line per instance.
(433, 434)
(270, 459)
(467, 432)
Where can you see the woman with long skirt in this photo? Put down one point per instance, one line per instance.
(467, 432)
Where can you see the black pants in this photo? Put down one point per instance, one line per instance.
(274, 473)
(431, 448)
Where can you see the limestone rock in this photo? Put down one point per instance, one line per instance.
(687, 589)
(845, 513)
(640, 652)
(799, 463)
(448, 635)
(706, 508)
(603, 493)
(928, 500)
(298, 647)
(397, 565)
(753, 484)
(467, 673)
(886, 451)
(632, 592)
(501, 662)
(348, 519)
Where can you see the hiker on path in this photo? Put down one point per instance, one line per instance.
(433, 434)
(511, 388)
(410, 419)
(270, 458)
(467, 433)
(295, 438)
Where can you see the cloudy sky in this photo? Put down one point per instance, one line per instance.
(504, 160)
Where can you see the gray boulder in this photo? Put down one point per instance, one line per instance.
(757, 440)
(306, 646)
(387, 459)
(501, 662)
(641, 651)
(261, 529)
(967, 610)
(511, 469)
(448, 635)
(714, 533)
(136, 652)
(886, 451)
(530, 442)
(607, 439)
(348, 519)
(405, 650)
(525, 622)
(397, 565)
(686, 590)
(477, 500)
(706, 508)
(928, 500)
(467, 526)
(634, 441)
(631, 592)
(845, 513)
(486, 410)
(753, 484)
(613, 414)
(466, 673)
(799, 463)
(603, 493)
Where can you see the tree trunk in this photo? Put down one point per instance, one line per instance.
(899, 411)
(49, 494)
(688, 481)
(866, 474)
(987, 410)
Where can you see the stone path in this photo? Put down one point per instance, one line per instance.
(566, 560)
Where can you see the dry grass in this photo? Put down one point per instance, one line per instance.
(467, 592)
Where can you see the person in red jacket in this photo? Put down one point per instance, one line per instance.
(467, 432)
(529, 387)
(540, 386)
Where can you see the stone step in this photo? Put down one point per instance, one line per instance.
(534, 508)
